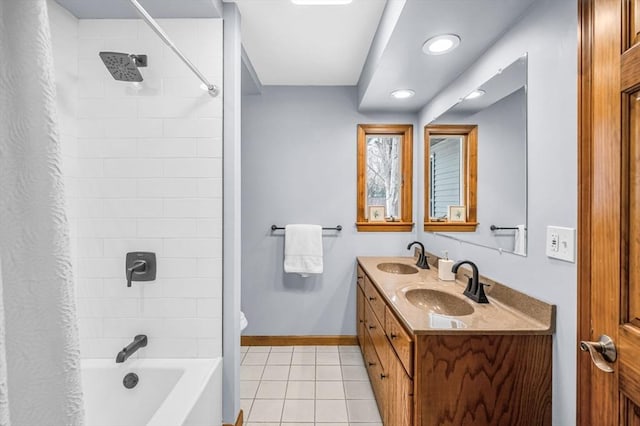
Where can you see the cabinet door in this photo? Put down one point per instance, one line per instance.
(400, 340)
(400, 409)
(360, 325)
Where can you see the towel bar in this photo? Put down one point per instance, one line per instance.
(335, 228)
(498, 228)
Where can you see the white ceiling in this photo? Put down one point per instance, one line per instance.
(291, 44)
(501, 85)
(479, 23)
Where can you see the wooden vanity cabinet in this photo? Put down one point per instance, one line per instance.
(391, 382)
(461, 379)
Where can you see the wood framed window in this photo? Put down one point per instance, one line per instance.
(450, 179)
(385, 178)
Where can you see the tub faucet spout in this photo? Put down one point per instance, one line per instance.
(140, 341)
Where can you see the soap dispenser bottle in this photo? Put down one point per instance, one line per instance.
(444, 268)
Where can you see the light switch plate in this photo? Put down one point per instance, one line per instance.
(561, 243)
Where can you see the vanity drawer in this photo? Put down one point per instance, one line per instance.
(360, 277)
(374, 298)
(376, 333)
(400, 340)
(377, 376)
(360, 303)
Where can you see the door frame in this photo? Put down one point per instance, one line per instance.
(585, 137)
(601, 225)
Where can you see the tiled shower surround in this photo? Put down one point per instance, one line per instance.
(145, 174)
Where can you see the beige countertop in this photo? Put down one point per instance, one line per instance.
(508, 311)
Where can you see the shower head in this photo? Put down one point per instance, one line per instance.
(122, 66)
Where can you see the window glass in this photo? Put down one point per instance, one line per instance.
(384, 173)
(447, 179)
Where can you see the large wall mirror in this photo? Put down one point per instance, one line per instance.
(496, 216)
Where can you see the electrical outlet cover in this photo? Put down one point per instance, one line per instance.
(561, 243)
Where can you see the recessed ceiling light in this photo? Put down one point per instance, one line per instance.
(475, 94)
(403, 93)
(320, 2)
(441, 44)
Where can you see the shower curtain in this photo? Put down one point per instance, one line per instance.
(39, 348)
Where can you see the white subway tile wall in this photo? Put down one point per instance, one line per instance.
(145, 168)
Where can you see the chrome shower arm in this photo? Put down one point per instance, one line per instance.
(212, 88)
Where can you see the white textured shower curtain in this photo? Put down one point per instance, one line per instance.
(38, 327)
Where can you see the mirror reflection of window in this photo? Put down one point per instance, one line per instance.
(451, 178)
(447, 178)
(384, 172)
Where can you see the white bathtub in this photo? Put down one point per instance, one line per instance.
(170, 392)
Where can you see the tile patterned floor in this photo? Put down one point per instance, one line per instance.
(306, 386)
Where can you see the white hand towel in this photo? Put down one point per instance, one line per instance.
(520, 240)
(303, 249)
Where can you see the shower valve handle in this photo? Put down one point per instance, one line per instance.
(138, 266)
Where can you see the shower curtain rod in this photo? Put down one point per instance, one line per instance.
(211, 88)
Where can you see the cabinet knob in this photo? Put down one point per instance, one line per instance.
(371, 364)
(371, 327)
(372, 298)
(393, 336)
(383, 376)
(361, 321)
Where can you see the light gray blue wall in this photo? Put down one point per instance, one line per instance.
(548, 33)
(299, 166)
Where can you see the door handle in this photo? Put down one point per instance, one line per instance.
(602, 351)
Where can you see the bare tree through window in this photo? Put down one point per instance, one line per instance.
(384, 172)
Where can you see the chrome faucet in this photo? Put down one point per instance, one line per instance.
(422, 258)
(140, 341)
(475, 289)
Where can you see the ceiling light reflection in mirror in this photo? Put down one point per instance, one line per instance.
(501, 116)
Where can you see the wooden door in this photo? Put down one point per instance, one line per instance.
(609, 209)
